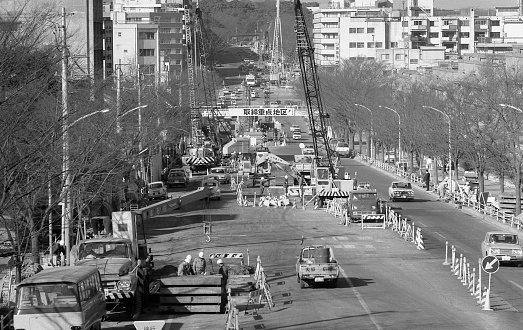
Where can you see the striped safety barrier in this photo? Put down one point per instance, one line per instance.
(226, 255)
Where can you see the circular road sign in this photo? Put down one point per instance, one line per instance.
(302, 145)
(490, 264)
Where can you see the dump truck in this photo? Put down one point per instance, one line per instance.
(119, 251)
(316, 264)
(362, 202)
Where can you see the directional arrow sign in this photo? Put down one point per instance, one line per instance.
(149, 325)
(490, 264)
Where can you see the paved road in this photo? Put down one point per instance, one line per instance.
(386, 283)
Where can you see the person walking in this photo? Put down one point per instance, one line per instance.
(262, 185)
(286, 184)
(57, 251)
(199, 264)
(426, 179)
(185, 267)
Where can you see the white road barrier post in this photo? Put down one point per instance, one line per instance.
(472, 283)
(459, 266)
(446, 262)
(464, 271)
(254, 202)
(478, 291)
(453, 264)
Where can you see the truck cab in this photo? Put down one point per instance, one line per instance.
(119, 251)
(362, 202)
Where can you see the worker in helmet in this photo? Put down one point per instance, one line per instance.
(286, 184)
(185, 267)
(199, 264)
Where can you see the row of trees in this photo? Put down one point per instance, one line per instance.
(485, 131)
(102, 158)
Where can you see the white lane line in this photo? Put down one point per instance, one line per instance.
(519, 286)
(419, 222)
(440, 235)
(360, 299)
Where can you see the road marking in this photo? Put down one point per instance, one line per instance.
(360, 299)
(519, 286)
(419, 222)
(440, 235)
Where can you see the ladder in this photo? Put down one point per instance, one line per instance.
(8, 283)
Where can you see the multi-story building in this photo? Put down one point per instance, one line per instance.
(409, 36)
(148, 34)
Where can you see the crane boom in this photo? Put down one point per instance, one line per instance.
(311, 85)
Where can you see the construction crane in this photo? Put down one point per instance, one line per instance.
(209, 89)
(196, 118)
(317, 117)
(277, 48)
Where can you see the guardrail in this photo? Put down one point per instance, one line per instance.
(6, 321)
(459, 199)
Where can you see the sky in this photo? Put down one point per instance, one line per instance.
(456, 4)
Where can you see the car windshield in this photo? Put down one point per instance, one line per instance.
(209, 184)
(218, 170)
(343, 144)
(155, 185)
(49, 297)
(504, 238)
(97, 250)
(402, 185)
(364, 196)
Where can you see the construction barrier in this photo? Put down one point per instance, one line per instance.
(373, 221)
(191, 294)
(408, 231)
(173, 203)
(462, 269)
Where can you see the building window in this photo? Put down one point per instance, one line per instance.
(352, 45)
(370, 45)
(495, 34)
(164, 41)
(399, 57)
(494, 23)
(464, 46)
(176, 19)
(125, 50)
(146, 35)
(465, 34)
(328, 47)
(418, 22)
(178, 62)
(164, 30)
(480, 22)
(405, 24)
(146, 52)
(360, 45)
(156, 19)
(385, 57)
(119, 34)
(431, 23)
(413, 61)
(465, 23)
(447, 22)
(379, 44)
(394, 44)
(109, 57)
(352, 30)
(434, 35)
(370, 30)
(360, 30)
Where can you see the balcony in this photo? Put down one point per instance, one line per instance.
(418, 39)
(327, 51)
(418, 27)
(448, 40)
(451, 27)
(330, 30)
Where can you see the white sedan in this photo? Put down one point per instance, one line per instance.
(504, 246)
(401, 190)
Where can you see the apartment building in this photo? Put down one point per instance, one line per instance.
(408, 36)
(148, 34)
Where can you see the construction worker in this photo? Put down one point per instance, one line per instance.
(222, 270)
(185, 267)
(286, 184)
(199, 264)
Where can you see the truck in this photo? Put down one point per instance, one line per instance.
(316, 264)
(304, 164)
(177, 176)
(119, 251)
(362, 202)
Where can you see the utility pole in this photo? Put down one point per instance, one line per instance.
(140, 144)
(118, 95)
(66, 200)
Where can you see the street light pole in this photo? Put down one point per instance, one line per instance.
(399, 130)
(371, 130)
(518, 170)
(450, 144)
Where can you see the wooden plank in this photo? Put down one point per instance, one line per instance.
(192, 280)
(189, 309)
(187, 290)
(190, 300)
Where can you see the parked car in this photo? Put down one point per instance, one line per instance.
(295, 128)
(296, 135)
(214, 186)
(222, 173)
(157, 190)
(504, 246)
(401, 190)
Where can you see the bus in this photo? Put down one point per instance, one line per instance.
(61, 298)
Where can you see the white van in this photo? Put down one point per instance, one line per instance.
(61, 298)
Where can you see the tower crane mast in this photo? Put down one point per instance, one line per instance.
(317, 117)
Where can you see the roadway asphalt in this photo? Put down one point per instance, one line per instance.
(386, 283)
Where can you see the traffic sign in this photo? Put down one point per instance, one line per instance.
(149, 325)
(490, 264)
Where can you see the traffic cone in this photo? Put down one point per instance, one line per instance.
(486, 305)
